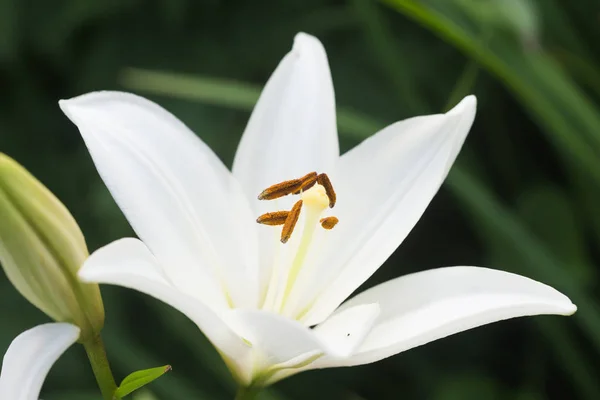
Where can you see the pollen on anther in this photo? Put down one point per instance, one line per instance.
(280, 189)
(290, 222)
(308, 181)
(323, 180)
(273, 218)
(329, 222)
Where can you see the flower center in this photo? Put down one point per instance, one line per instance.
(316, 193)
(315, 198)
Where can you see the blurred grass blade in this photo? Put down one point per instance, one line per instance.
(212, 91)
(570, 120)
(542, 264)
(226, 93)
(571, 357)
(567, 348)
(586, 72)
(548, 212)
(464, 86)
(143, 395)
(386, 50)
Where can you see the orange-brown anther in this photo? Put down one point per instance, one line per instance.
(273, 218)
(280, 189)
(329, 222)
(308, 181)
(324, 181)
(290, 222)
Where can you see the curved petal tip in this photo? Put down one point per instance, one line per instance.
(468, 104)
(68, 105)
(30, 357)
(303, 40)
(306, 45)
(569, 309)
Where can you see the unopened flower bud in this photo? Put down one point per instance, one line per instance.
(42, 248)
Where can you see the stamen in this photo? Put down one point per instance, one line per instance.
(284, 188)
(317, 194)
(308, 181)
(273, 218)
(324, 181)
(280, 189)
(290, 222)
(329, 222)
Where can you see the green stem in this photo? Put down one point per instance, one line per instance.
(99, 362)
(247, 393)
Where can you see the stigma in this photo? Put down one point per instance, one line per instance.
(316, 197)
(316, 192)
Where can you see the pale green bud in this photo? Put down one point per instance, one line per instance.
(42, 248)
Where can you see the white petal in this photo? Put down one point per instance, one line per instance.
(275, 339)
(339, 336)
(344, 331)
(177, 195)
(426, 306)
(129, 263)
(383, 185)
(283, 347)
(30, 357)
(292, 131)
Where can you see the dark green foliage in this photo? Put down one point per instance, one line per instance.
(524, 195)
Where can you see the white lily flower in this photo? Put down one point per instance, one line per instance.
(274, 309)
(30, 357)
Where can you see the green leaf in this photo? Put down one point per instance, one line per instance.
(138, 379)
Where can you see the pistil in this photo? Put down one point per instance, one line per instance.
(315, 200)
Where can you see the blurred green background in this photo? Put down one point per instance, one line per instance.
(524, 195)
